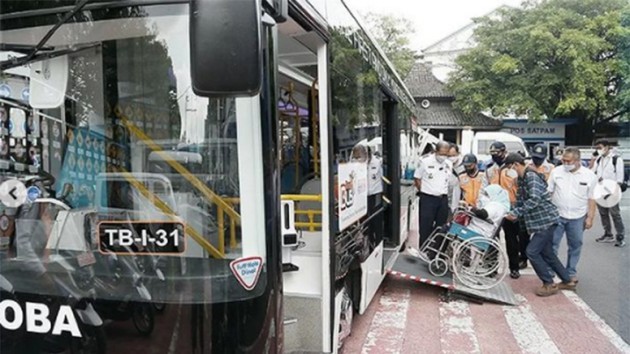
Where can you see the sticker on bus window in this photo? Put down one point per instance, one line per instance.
(247, 271)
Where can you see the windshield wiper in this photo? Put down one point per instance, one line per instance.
(13, 62)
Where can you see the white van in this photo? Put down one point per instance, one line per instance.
(479, 144)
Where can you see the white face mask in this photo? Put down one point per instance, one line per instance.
(454, 160)
(568, 168)
(440, 158)
(600, 152)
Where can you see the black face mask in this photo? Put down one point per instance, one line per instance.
(537, 161)
(498, 159)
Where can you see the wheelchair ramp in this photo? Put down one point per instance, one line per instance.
(501, 293)
(412, 268)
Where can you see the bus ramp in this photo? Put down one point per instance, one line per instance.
(412, 268)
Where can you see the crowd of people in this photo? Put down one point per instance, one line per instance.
(542, 201)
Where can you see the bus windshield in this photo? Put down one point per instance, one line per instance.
(134, 203)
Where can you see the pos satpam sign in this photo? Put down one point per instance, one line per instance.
(352, 184)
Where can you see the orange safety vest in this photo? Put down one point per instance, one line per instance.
(470, 187)
(544, 169)
(497, 175)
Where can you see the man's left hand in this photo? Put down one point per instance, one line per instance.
(588, 223)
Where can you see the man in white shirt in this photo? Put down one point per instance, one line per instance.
(431, 179)
(571, 186)
(608, 166)
(375, 190)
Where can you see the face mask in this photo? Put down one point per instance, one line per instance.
(601, 152)
(440, 158)
(568, 168)
(511, 172)
(454, 159)
(498, 159)
(537, 161)
(471, 170)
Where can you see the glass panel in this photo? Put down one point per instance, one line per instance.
(141, 179)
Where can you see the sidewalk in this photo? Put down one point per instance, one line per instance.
(408, 317)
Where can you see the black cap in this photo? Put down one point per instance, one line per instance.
(468, 159)
(514, 158)
(539, 151)
(497, 146)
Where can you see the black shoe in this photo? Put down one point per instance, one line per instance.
(620, 243)
(515, 274)
(522, 265)
(605, 239)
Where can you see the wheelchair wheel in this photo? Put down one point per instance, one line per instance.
(438, 267)
(480, 263)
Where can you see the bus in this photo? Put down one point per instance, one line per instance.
(296, 112)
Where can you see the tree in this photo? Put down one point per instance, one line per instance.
(624, 52)
(550, 58)
(393, 36)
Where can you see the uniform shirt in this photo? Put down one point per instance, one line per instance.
(505, 178)
(375, 176)
(434, 176)
(534, 205)
(544, 169)
(471, 186)
(604, 168)
(571, 191)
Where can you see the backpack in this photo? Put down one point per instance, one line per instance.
(624, 184)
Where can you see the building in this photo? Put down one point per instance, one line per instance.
(435, 104)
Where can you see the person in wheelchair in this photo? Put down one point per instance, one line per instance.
(493, 205)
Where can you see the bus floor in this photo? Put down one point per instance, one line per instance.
(410, 317)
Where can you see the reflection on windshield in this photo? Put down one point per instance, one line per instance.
(130, 142)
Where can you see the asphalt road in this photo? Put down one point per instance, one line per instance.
(604, 274)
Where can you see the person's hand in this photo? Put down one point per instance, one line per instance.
(511, 217)
(588, 223)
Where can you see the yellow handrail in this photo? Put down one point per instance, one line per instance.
(160, 204)
(222, 206)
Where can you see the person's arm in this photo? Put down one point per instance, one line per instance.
(417, 176)
(620, 172)
(592, 206)
(551, 183)
(536, 189)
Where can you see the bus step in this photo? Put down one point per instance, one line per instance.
(289, 267)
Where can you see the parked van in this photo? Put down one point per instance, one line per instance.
(479, 144)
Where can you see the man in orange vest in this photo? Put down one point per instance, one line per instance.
(507, 179)
(470, 180)
(539, 160)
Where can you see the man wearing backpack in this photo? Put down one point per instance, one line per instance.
(609, 166)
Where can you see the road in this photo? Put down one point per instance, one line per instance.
(604, 274)
(408, 317)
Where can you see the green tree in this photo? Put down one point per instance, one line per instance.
(624, 53)
(393, 36)
(551, 58)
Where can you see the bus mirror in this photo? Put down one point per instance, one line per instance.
(225, 44)
(48, 82)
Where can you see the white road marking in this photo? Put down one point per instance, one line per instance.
(529, 333)
(457, 328)
(388, 325)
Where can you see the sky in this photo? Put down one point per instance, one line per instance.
(432, 19)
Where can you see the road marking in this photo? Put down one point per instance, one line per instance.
(387, 330)
(172, 348)
(457, 328)
(528, 331)
(614, 338)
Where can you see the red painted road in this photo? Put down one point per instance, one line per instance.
(408, 317)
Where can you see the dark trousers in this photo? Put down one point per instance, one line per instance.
(523, 241)
(615, 213)
(375, 225)
(433, 214)
(543, 259)
(512, 231)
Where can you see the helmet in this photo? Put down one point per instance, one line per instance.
(539, 151)
(469, 159)
(497, 146)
